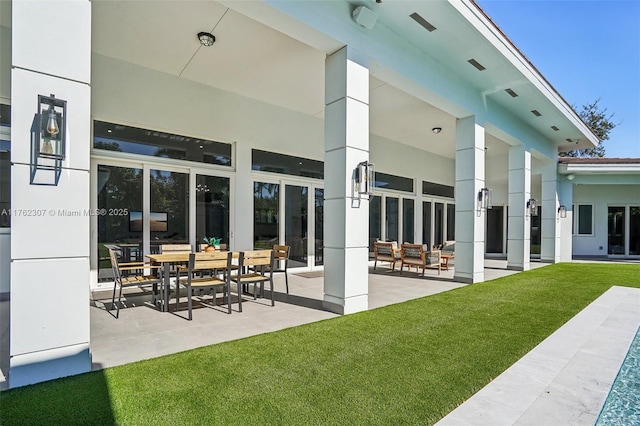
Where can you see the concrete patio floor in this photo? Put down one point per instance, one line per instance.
(556, 386)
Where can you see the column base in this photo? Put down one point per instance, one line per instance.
(469, 279)
(344, 306)
(36, 367)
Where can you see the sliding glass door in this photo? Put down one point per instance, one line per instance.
(120, 191)
(296, 224)
(623, 230)
(281, 216)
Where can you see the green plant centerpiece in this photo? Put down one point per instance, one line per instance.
(213, 243)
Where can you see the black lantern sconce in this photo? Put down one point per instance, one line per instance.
(562, 211)
(484, 199)
(364, 178)
(48, 140)
(532, 207)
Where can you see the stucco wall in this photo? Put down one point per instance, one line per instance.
(601, 196)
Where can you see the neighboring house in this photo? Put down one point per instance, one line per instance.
(257, 137)
(605, 206)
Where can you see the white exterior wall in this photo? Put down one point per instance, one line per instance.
(5, 96)
(601, 196)
(50, 252)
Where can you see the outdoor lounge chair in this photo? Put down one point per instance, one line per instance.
(412, 255)
(384, 251)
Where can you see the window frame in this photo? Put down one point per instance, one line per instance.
(577, 220)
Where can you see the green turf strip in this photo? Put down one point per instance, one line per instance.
(410, 363)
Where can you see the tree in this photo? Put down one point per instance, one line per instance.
(600, 123)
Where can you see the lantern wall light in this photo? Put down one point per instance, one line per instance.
(562, 211)
(48, 140)
(484, 199)
(364, 178)
(532, 206)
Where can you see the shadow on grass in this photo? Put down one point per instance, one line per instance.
(82, 399)
(5, 316)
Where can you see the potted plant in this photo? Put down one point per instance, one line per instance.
(213, 243)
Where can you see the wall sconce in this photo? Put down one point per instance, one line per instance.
(484, 199)
(562, 211)
(532, 206)
(436, 130)
(364, 178)
(48, 140)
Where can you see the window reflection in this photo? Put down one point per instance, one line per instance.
(119, 190)
(265, 210)
(212, 208)
(319, 243)
(170, 195)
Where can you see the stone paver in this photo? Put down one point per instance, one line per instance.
(566, 378)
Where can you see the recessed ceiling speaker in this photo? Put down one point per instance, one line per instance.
(365, 17)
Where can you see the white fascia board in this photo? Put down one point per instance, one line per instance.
(613, 169)
(489, 31)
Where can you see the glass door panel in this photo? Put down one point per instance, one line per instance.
(426, 223)
(266, 203)
(119, 190)
(391, 218)
(408, 215)
(616, 230)
(495, 230)
(212, 208)
(451, 222)
(634, 231)
(375, 220)
(319, 226)
(295, 222)
(438, 230)
(536, 232)
(169, 215)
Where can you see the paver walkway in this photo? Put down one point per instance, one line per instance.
(566, 378)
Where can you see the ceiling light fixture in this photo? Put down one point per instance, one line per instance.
(206, 39)
(476, 64)
(436, 130)
(511, 93)
(420, 20)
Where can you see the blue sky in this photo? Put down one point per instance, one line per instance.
(586, 50)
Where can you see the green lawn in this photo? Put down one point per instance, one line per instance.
(410, 363)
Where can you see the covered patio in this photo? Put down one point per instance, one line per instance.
(142, 332)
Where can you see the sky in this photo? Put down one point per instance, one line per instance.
(587, 50)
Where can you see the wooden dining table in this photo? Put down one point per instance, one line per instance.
(168, 259)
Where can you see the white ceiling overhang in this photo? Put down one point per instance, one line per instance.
(274, 51)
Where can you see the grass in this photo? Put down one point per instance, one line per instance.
(410, 363)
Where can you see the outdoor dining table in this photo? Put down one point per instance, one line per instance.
(166, 260)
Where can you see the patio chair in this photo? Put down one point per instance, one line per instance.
(138, 280)
(175, 248)
(213, 271)
(384, 251)
(412, 255)
(434, 260)
(280, 263)
(254, 267)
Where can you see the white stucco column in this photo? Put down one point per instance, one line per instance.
(470, 220)
(242, 236)
(565, 195)
(346, 216)
(519, 222)
(51, 54)
(550, 222)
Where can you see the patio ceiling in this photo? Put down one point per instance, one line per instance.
(259, 62)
